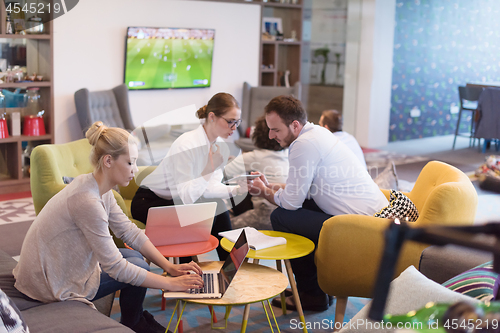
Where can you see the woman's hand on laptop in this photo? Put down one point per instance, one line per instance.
(183, 277)
(185, 282)
(183, 269)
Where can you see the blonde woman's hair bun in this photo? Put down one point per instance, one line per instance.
(95, 132)
(106, 140)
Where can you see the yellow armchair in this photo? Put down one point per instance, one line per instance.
(350, 246)
(51, 162)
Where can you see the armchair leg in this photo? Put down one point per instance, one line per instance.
(340, 311)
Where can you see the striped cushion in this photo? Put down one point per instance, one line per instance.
(477, 282)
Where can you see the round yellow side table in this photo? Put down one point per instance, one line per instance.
(296, 247)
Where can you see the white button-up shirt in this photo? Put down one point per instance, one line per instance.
(324, 169)
(352, 144)
(179, 173)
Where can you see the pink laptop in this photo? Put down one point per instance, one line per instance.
(168, 225)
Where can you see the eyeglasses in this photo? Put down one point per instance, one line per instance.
(232, 123)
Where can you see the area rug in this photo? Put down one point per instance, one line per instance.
(16, 217)
(381, 158)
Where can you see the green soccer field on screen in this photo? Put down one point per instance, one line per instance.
(168, 58)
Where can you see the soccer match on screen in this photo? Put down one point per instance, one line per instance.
(162, 58)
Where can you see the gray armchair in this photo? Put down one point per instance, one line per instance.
(254, 101)
(112, 108)
(109, 106)
(256, 98)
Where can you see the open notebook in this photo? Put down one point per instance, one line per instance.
(216, 283)
(256, 239)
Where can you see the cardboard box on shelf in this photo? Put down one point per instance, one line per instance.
(15, 123)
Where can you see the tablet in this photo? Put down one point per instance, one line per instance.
(242, 178)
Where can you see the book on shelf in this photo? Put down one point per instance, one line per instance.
(256, 239)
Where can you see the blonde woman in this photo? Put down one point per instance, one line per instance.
(69, 253)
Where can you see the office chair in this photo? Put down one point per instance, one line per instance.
(112, 108)
(469, 97)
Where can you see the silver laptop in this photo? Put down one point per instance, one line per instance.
(169, 225)
(216, 283)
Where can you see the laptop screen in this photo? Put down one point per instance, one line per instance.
(235, 259)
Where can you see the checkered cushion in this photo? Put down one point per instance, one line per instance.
(400, 207)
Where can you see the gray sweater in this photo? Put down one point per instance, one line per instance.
(68, 240)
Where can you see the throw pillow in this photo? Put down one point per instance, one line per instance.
(477, 282)
(491, 167)
(400, 206)
(489, 183)
(67, 180)
(11, 319)
(411, 290)
(388, 179)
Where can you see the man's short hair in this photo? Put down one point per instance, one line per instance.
(288, 108)
(333, 119)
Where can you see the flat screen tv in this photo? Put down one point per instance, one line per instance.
(164, 58)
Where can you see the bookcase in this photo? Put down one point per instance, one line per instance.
(38, 50)
(279, 56)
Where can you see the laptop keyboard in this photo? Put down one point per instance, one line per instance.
(208, 285)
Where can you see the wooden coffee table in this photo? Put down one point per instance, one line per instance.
(253, 283)
(296, 247)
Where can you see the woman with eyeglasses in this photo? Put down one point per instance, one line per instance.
(192, 170)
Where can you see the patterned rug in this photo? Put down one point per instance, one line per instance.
(15, 211)
(381, 158)
(16, 217)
